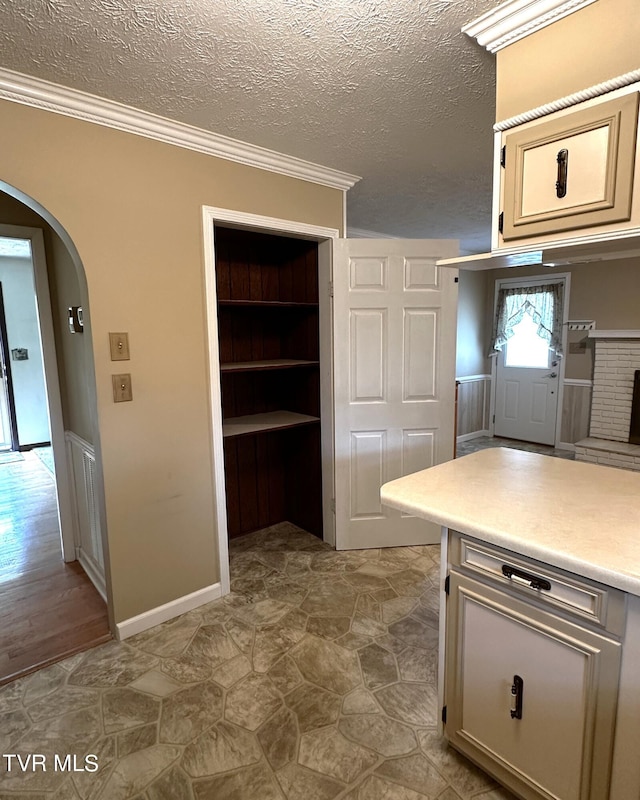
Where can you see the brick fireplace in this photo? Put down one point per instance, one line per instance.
(617, 357)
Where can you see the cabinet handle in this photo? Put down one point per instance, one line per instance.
(563, 166)
(531, 580)
(517, 690)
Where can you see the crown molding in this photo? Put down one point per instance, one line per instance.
(36, 93)
(516, 19)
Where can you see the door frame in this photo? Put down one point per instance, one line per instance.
(534, 280)
(52, 383)
(11, 406)
(272, 225)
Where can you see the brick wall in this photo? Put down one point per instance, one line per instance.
(615, 363)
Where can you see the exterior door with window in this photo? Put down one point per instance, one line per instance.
(528, 369)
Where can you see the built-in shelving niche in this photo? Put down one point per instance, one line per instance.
(267, 289)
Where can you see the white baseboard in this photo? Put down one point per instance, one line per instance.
(566, 446)
(465, 437)
(153, 617)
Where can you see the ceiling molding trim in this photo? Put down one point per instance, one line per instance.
(570, 100)
(516, 19)
(361, 233)
(27, 90)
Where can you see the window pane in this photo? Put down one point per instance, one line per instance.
(525, 348)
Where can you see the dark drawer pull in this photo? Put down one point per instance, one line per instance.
(563, 172)
(517, 690)
(533, 580)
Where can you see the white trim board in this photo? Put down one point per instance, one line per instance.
(210, 217)
(155, 616)
(36, 93)
(516, 19)
(614, 334)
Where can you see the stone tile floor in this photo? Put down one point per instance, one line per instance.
(314, 679)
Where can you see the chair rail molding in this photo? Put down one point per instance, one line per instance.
(516, 19)
(27, 90)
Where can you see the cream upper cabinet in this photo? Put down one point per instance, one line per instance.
(570, 173)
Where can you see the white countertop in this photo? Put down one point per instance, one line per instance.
(579, 517)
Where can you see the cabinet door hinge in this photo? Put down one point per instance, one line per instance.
(333, 504)
(503, 155)
(501, 222)
(330, 288)
(444, 714)
(447, 584)
(494, 419)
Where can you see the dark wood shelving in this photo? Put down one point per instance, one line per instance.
(259, 423)
(268, 332)
(267, 304)
(271, 363)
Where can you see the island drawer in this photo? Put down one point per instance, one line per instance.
(580, 597)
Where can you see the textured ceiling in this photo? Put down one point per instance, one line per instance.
(386, 89)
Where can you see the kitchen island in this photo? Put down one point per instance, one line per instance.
(540, 622)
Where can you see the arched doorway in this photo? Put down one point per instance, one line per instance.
(61, 610)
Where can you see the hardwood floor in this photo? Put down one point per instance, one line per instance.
(48, 609)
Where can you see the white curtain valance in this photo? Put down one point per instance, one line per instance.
(544, 306)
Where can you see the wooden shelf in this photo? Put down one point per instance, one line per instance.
(272, 420)
(273, 363)
(266, 304)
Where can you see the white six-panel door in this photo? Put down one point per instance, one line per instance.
(394, 380)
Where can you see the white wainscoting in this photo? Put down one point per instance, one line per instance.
(87, 535)
(474, 398)
(474, 395)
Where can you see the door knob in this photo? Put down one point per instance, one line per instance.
(552, 375)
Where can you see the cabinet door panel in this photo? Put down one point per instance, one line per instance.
(586, 172)
(598, 144)
(567, 699)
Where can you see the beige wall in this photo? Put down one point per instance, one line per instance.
(471, 352)
(132, 207)
(590, 46)
(605, 291)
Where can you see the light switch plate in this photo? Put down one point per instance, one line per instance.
(121, 388)
(119, 346)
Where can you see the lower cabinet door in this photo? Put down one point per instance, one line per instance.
(530, 697)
